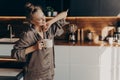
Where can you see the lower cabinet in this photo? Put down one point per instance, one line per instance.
(87, 63)
(84, 63)
(11, 74)
(62, 63)
(5, 49)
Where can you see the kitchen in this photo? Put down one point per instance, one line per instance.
(75, 60)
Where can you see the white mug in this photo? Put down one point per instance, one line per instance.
(110, 40)
(55, 13)
(48, 43)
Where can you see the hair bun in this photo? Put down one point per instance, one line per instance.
(29, 6)
(31, 9)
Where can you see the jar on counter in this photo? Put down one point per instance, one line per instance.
(90, 36)
(115, 36)
(118, 29)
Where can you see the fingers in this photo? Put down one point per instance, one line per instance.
(65, 13)
(39, 45)
(67, 10)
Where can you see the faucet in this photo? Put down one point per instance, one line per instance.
(9, 26)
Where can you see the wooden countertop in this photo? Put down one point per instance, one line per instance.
(66, 43)
(11, 73)
(8, 62)
(7, 58)
(78, 43)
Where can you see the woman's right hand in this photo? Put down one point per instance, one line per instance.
(38, 45)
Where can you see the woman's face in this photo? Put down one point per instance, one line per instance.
(38, 18)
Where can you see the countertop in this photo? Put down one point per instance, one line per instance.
(8, 62)
(11, 74)
(65, 43)
(79, 43)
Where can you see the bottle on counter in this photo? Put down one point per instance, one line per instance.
(78, 35)
(72, 37)
(82, 35)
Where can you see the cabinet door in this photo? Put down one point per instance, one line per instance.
(84, 7)
(62, 63)
(5, 49)
(109, 7)
(94, 63)
(84, 63)
(109, 62)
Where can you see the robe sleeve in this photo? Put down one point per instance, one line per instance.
(57, 28)
(18, 50)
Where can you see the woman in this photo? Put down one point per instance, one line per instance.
(40, 60)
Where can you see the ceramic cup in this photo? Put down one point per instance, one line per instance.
(48, 43)
(110, 40)
(55, 13)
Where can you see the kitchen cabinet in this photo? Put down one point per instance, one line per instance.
(109, 8)
(94, 7)
(5, 49)
(16, 7)
(62, 63)
(11, 74)
(84, 7)
(87, 63)
(84, 63)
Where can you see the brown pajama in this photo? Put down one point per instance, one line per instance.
(40, 63)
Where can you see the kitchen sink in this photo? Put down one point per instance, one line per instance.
(9, 40)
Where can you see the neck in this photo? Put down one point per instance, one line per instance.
(39, 29)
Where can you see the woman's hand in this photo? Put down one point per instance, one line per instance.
(60, 16)
(35, 47)
(38, 45)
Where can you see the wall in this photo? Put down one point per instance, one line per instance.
(94, 24)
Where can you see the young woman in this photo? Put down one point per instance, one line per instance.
(39, 59)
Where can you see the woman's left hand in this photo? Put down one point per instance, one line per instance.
(47, 25)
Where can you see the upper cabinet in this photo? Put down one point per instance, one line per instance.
(76, 7)
(12, 7)
(17, 7)
(109, 7)
(94, 7)
(84, 8)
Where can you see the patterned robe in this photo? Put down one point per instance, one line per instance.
(40, 63)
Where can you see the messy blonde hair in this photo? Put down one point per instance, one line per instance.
(31, 9)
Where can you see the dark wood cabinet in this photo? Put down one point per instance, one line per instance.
(94, 7)
(76, 7)
(84, 8)
(12, 7)
(17, 7)
(109, 7)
